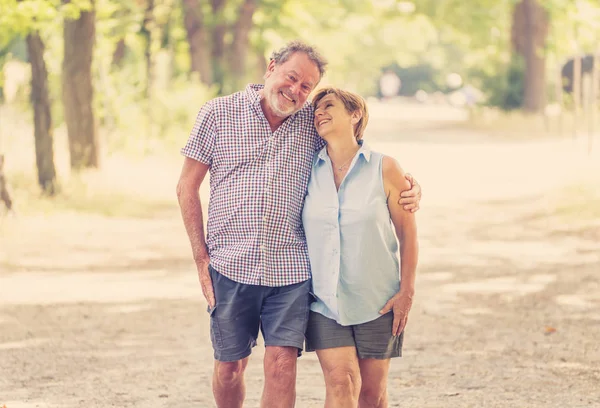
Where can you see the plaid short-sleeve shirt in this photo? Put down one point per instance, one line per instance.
(258, 181)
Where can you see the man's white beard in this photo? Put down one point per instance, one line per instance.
(277, 109)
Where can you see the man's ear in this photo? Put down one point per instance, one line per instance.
(270, 69)
(355, 118)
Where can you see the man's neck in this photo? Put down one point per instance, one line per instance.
(274, 120)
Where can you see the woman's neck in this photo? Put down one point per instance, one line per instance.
(342, 148)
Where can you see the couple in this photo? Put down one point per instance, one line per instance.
(284, 201)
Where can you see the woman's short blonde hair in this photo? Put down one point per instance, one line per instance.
(352, 102)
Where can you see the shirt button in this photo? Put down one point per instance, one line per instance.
(262, 248)
(265, 218)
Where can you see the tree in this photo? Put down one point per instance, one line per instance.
(220, 40)
(28, 20)
(197, 37)
(4, 195)
(146, 32)
(219, 29)
(42, 118)
(77, 89)
(529, 37)
(240, 44)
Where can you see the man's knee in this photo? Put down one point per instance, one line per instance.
(229, 372)
(280, 362)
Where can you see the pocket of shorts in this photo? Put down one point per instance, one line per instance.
(211, 310)
(215, 333)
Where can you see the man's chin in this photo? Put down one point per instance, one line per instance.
(284, 113)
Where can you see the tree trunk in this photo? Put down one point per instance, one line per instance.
(4, 195)
(78, 92)
(239, 47)
(529, 36)
(146, 31)
(42, 118)
(218, 42)
(119, 53)
(197, 40)
(261, 60)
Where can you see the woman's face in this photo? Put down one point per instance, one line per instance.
(332, 118)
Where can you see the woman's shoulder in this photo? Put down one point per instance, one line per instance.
(390, 164)
(392, 172)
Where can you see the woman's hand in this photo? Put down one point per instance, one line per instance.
(400, 305)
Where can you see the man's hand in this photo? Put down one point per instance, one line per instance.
(400, 305)
(410, 199)
(206, 282)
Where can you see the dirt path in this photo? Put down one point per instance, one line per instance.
(106, 312)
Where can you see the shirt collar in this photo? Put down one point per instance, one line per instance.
(364, 151)
(253, 93)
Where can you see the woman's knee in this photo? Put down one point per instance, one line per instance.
(344, 378)
(373, 394)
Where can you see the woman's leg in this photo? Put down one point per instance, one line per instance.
(342, 376)
(374, 374)
(376, 346)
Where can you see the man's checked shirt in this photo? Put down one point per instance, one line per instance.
(258, 180)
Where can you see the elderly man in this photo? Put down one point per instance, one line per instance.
(253, 263)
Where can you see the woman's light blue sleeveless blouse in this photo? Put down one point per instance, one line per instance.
(351, 240)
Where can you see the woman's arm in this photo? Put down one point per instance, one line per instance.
(394, 182)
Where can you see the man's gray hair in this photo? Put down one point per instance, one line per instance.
(293, 47)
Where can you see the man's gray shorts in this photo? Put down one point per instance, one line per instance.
(372, 339)
(281, 313)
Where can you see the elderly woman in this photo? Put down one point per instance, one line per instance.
(354, 223)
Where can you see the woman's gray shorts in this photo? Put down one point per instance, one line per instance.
(372, 339)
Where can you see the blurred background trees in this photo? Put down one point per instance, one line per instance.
(128, 75)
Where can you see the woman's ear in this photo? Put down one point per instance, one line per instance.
(356, 116)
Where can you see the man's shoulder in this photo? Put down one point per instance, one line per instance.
(307, 110)
(306, 115)
(229, 101)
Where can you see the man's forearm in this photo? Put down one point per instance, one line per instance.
(191, 212)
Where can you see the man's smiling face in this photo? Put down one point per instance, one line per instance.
(288, 85)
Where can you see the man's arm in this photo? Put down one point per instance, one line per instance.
(188, 195)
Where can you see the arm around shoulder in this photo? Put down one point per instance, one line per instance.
(394, 180)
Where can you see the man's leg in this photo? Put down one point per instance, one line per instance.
(373, 392)
(234, 324)
(284, 316)
(280, 377)
(342, 376)
(228, 383)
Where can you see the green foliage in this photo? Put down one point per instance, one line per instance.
(19, 17)
(141, 126)
(424, 40)
(504, 88)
